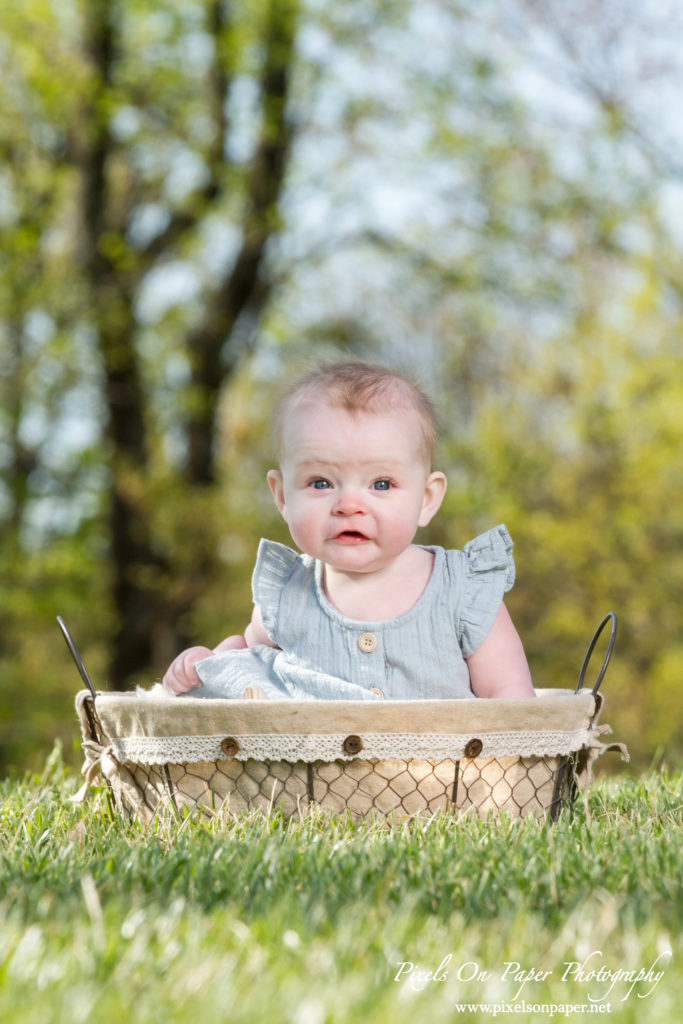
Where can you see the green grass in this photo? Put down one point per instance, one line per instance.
(256, 919)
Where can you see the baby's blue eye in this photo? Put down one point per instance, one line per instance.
(382, 485)
(320, 485)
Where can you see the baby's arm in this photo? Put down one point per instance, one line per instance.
(181, 675)
(498, 668)
(255, 633)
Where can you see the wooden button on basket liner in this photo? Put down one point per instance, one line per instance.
(474, 748)
(367, 642)
(353, 744)
(229, 746)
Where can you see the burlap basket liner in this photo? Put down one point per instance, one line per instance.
(386, 758)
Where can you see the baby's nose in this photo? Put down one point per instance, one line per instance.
(349, 502)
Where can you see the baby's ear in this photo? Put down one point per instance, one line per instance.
(435, 488)
(276, 485)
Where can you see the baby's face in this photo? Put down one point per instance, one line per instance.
(354, 488)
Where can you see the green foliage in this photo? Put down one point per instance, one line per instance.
(580, 457)
(104, 919)
(520, 260)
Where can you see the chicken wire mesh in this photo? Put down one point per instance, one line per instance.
(519, 786)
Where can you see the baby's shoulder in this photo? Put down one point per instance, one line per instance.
(274, 567)
(279, 561)
(490, 551)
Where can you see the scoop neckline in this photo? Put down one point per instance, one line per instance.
(378, 624)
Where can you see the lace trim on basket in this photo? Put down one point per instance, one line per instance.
(330, 747)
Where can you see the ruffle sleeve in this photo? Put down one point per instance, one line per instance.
(489, 573)
(275, 563)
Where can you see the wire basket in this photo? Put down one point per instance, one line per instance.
(387, 759)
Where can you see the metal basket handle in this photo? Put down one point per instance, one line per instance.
(591, 648)
(75, 654)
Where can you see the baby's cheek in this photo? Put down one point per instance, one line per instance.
(305, 528)
(400, 531)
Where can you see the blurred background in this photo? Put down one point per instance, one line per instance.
(198, 197)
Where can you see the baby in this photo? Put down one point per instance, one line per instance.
(364, 613)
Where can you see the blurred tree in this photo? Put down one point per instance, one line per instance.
(149, 134)
(117, 255)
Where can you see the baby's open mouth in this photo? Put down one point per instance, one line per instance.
(351, 535)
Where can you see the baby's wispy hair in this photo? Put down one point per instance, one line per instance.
(357, 386)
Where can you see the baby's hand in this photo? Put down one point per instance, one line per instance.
(181, 674)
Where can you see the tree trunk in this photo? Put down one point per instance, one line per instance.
(215, 347)
(144, 617)
(134, 564)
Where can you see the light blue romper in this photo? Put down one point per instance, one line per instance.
(326, 656)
